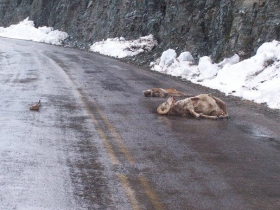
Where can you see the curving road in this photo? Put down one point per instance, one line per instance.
(97, 143)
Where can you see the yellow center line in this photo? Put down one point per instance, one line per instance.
(151, 194)
(101, 133)
(129, 192)
(123, 179)
(116, 136)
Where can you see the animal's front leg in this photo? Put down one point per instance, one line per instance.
(194, 113)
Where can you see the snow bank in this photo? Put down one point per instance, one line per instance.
(256, 78)
(120, 48)
(168, 63)
(25, 30)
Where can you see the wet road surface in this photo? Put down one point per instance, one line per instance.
(97, 143)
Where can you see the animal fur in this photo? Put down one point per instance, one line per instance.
(204, 105)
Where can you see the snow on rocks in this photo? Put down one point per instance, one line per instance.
(120, 47)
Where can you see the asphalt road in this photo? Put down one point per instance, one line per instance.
(97, 143)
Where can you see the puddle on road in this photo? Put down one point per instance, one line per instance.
(260, 133)
(26, 80)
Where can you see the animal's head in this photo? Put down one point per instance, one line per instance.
(166, 106)
(148, 93)
(222, 114)
(155, 92)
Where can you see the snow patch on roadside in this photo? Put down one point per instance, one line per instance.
(26, 30)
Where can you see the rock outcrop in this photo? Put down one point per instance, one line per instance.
(218, 28)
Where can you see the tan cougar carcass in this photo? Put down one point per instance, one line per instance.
(160, 92)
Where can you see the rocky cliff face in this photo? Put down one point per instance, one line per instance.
(204, 27)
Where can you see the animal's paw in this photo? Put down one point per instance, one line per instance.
(223, 116)
(198, 116)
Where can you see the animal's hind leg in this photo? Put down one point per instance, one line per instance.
(202, 115)
(223, 117)
(208, 117)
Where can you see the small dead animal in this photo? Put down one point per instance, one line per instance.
(160, 92)
(35, 107)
